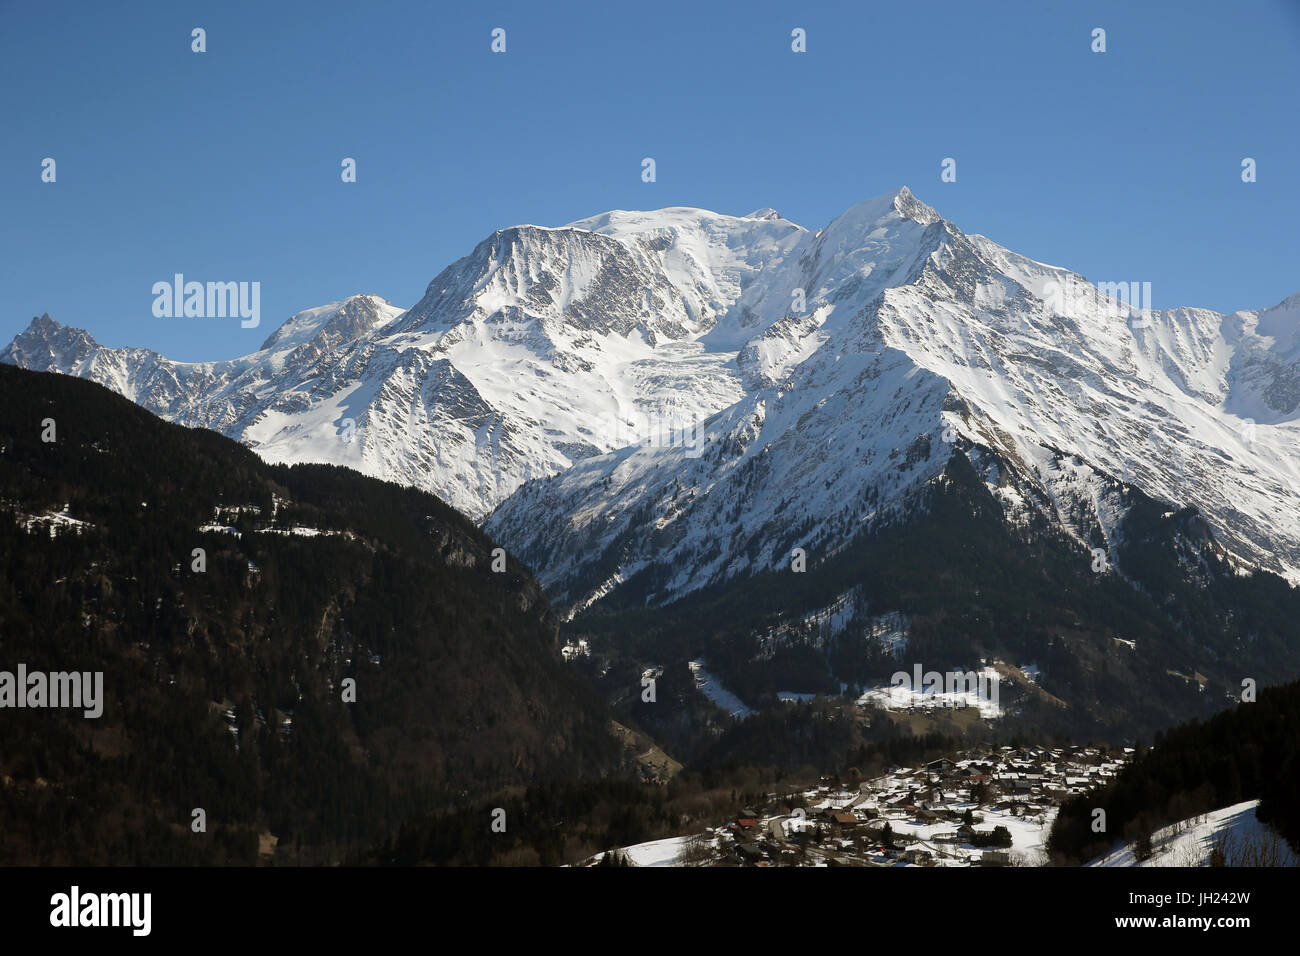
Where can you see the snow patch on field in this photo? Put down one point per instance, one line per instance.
(657, 852)
(55, 522)
(927, 697)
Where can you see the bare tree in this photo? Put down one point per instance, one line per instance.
(697, 851)
(1259, 847)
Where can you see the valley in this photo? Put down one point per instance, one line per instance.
(758, 471)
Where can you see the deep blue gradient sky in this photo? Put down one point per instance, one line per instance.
(225, 165)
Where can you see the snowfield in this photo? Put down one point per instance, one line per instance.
(713, 690)
(656, 852)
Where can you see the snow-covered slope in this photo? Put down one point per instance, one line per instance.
(917, 340)
(540, 348)
(1244, 840)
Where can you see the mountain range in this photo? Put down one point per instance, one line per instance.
(658, 402)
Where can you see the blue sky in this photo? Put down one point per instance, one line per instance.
(225, 166)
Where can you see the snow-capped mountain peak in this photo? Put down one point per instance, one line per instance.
(917, 339)
(333, 323)
(866, 216)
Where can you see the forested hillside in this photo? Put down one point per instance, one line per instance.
(1164, 635)
(225, 679)
(1250, 752)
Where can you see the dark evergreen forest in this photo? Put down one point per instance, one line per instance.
(459, 688)
(1250, 752)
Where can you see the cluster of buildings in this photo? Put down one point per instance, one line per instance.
(990, 808)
